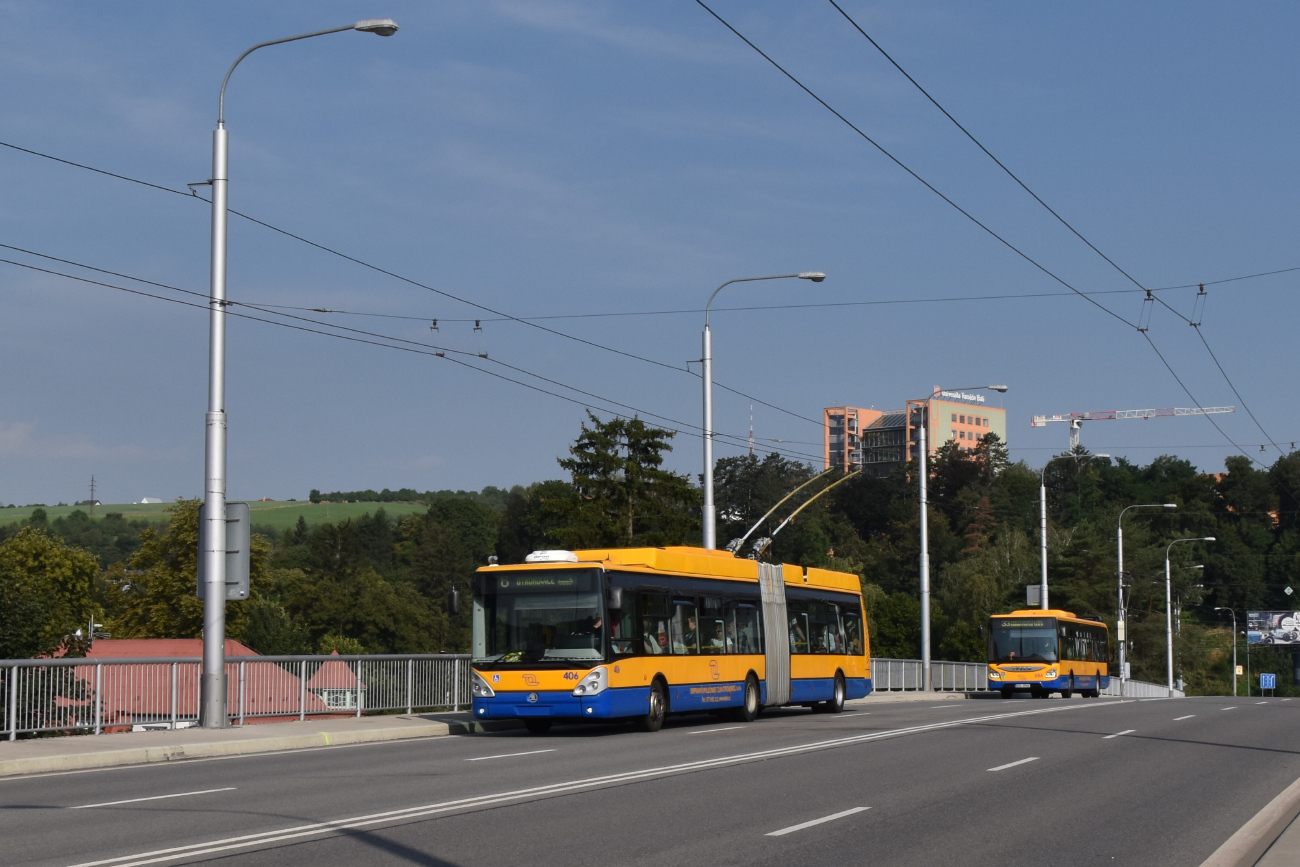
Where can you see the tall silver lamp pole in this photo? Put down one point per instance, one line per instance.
(1169, 615)
(1121, 622)
(1234, 646)
(212, 532)
(927, 680)
(710, 513)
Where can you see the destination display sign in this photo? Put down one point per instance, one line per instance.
(1021, 623)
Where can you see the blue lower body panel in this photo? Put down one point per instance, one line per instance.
(1076, 682)
(857, 687)
(812, 689)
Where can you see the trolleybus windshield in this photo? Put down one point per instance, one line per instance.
(530, 617)
(1022, 639)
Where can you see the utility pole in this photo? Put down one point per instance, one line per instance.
(92, 496)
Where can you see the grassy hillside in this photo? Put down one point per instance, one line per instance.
(280, 515)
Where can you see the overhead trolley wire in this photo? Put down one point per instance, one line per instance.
(971, 217)
(1080, 236)
(735, 440)
(896, 161)
(322, 247)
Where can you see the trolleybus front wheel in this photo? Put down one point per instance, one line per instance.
(657, 710)
(1068, 692)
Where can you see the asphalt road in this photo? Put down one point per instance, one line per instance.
(978, 782)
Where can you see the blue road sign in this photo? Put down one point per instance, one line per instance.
(1268, 681)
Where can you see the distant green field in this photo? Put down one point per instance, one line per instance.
(279, 515)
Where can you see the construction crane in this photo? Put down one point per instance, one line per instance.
(1076, 419)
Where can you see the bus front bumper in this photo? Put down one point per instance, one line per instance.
(609, 704)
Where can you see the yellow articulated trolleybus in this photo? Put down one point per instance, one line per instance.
(638, 633)
(1046, 651)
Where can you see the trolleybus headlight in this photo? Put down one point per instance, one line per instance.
(597, 680)
(1049, 674)
(479, 687)
(994, 674)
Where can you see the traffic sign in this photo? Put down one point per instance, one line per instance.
(1268, 681)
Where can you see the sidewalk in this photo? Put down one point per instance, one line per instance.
(81, 752)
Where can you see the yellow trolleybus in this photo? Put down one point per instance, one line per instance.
(1046, 651)
(638, 633)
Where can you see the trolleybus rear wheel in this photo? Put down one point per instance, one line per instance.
(657, 710)
(836, 704)
(1068, 692)
(748, 710)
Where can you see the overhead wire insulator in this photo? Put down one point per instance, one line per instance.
(1148, 304)
(1198, 308)
(479, 339)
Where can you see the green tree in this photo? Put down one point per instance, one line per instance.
(47, 593)
(624, 497)
(154, 594)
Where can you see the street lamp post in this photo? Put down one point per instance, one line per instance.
(710, 513)
(212, 532)
(1234, 646)
(1121, 620)
(924, 477)
(1169, 614)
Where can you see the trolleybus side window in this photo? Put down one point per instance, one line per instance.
(748, 635)
(824, 632)
(852, 631)
(713, 626)
(624, 637)
(656, 610)
(797, 611)
(684, 628)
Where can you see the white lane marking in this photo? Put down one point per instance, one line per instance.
(1234, 707)
(1189, 716)
(711, 731)
(1117, 734)
(1261, 702)
(508, 755)
(152, 798)
(1013, 764)
(314, 829)
(941, 706)
(809, 824)
(1286, 699)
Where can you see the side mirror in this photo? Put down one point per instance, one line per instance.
(616, 599)
(453, 601)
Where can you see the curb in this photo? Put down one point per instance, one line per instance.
(1253, 839)
(252, 746)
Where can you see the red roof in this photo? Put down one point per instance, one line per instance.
(144, 648)
(333, 674)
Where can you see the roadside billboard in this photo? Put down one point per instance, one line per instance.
(1273, 627)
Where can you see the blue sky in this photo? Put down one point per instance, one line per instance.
(552, 158)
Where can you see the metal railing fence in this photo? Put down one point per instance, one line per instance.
(1140, 689)
(905, 674)
(96, 694)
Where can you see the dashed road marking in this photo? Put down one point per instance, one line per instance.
(509, 755)
(1117, 734)
(1179, 718)
(1013, 764)
(809, 824)
(152, 798)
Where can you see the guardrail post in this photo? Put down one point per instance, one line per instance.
(13, 703)
(241, 691)
(360, 692)
(99, 686)
(175, 665)
(455, 684)
(302, 689)
(410, 683)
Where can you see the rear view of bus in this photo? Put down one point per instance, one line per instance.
(1040, 652)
